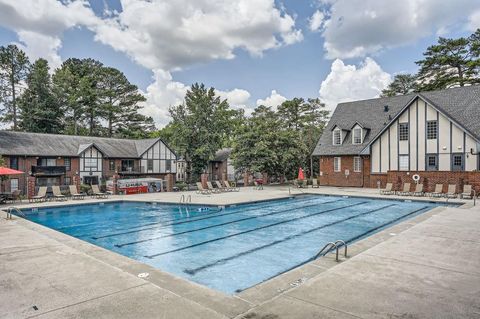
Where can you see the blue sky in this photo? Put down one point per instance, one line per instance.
(246, 49)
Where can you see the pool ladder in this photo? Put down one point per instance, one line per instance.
(15, 209)
(185, 199)
(331, 245)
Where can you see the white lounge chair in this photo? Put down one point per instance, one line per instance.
(315, 183)
(41, 195)
(213, 189)
(452, 191)
(221, 187)
(418, 190)
(74, 193)
(406, 190)
(201, 190)
(438, 192)
(57, 193)
(97, 193)
(231, 188)
(467, 192)
(388, 190)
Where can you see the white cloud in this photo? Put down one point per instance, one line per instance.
(237, 98)
(41, 23)
(474, 21)
(357, 28)
(178, 33)
(316, 21)
(349, 83)
(274, 100)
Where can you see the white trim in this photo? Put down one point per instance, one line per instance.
(337, 130)
(339, 169)
(353, 135)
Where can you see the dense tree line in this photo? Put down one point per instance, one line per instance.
(449, 63)
(81, 97)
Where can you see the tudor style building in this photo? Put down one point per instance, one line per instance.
(58, 159)
(433, 134)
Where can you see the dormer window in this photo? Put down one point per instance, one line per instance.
(337, 136)
(357, 135)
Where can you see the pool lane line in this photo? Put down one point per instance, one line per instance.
(189, 221)
(279, 241)
(216, 225)
(236, 211)
(348, 241)
(251, 230)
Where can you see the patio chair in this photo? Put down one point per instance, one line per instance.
(221, 187)
(201, 190)
(406, 190)
(213, 189)
(74, 193)
(231, 188)
(41, 195)
(97, 193)
(315, 183)
(467, 192)
(15, 196)
(388, 190)
(438, 192)
(418, 190)
(57, 194)
(452, 191)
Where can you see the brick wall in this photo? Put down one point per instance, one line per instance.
(355, 179)
(429, 179)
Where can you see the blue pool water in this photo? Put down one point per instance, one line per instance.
(228, 249)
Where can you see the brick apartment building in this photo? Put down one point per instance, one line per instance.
(433, 134)
(65, 159)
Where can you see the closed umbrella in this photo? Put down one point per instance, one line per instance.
(301, 176)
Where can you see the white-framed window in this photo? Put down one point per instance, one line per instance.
(357, 164)
(337, 136)
(90, 162)
(150, 164)
(337, 164)
(403, 162)
(432, 129)
(403, 131)
(13, 184)
(357, 135)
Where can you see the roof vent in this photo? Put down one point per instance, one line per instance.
(389, 117)
(385, 108)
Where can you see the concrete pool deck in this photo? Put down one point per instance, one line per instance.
(424, 267)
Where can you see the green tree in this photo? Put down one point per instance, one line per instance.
(450, 62)
(40, 111)
(203, 124)
(401, 84)
(14, 66)
(120, 103)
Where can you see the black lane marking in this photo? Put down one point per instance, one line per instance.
(187, 221)
(217, 225)
(246, 252)
(251, 230)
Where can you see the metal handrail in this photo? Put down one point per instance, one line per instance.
(474, 197)
(182, 199)
(189, 199)
(344, 244)
(12, 208)
(325, 251)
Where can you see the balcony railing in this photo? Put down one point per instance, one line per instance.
(48, 170)
(130, 170)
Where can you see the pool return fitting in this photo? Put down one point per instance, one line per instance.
(331, 245)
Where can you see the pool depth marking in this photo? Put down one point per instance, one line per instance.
(276, 242)
(193, 220)
(251, 230)
(218, 225)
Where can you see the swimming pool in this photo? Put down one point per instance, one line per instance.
(227, 249)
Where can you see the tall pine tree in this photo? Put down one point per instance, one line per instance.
(40, 110)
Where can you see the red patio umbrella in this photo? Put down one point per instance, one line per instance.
(301, 176)
(8, 171)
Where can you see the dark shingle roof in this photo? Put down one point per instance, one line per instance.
(222, 154)
(35, 144)
(461, 104)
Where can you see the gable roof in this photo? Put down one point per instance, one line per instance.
(36, 144)
(461, 105)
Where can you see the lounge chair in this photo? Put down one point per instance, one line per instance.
(406, 190)
(388, 190)
(213, 189)
(452, 191)
(74, 193)
(418, 190)
(438, 192)
(97, 193)
(315, 183)
(41, 195)
(14, 196)
(221, 187)
(467, 192)
(231, 188)
(57, 194)
(201, 190)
